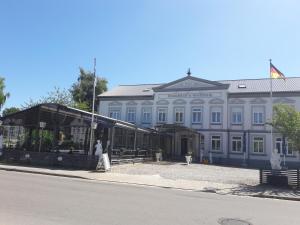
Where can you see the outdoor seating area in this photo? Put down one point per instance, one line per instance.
(59, 132)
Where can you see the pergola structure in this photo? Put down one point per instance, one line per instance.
(54, 128)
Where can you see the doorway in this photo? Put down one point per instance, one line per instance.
(184, 146)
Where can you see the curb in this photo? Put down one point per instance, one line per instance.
(93, 179)
(276, 197)
(43, 173)
(145, 185)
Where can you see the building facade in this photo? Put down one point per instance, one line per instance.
(230, 116)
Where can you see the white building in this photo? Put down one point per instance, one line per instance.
(230, 115)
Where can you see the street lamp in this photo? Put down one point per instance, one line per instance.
(42, 126)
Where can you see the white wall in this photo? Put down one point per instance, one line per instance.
(210, 98)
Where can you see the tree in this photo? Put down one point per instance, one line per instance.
(10, 110)
(286, 120)
(3, 95)
(58, 95)
(82, 90)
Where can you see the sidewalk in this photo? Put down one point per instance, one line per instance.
(188, 180)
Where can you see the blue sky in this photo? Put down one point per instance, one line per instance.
(43, 43)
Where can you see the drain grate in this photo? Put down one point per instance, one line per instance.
(229, 221)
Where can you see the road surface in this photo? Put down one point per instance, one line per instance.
(31, 199)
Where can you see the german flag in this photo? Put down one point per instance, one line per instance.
(275, 73)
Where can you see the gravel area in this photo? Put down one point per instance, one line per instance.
(196, 172)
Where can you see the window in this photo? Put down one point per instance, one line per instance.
(289, 148)
(202, 142)
(146, 115)
(258, 115)
(115, 114)
(162, 115)
(179, 115)
(258, 118)
(236, 118)
(216, 143)
(196, 115)
(242, 86)
(131, 115)
(216, 117)
(236, 144)
(279, 145)
(258, 144)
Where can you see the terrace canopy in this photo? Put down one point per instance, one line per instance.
(54, 127)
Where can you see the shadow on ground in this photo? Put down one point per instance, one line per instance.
(164, 163)
(262, 190)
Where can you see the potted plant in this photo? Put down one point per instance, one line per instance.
(158, 155)
(188, 157)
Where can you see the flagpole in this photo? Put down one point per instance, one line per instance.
(93, 111)
(271, 98)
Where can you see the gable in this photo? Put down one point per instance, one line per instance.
(190, 83)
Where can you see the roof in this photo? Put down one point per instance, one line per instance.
(194, 80)
(290, 84)
(30, 117)
(131, 90)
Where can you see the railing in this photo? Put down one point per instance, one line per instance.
(50, 159)
(292, 176)
(124, 155)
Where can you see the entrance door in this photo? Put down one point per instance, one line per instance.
(184, 146)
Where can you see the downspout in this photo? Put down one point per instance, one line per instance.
(228, 140)
(228, 132)
(248, 148)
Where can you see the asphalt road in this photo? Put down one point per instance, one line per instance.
(29, 199)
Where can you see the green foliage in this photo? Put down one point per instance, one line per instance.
(11, 110)
(58, 95)
(286, 120)
(82, 90)
(47, 139)
(3, 95)
(82, 106)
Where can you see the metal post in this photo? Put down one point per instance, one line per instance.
(111, 147)
(244, 148)
(298, 178)
(126, 138)
(260, 176)
(41, 135)
(134, 144)
(93, 111)
(42, 126)
(9, 128)
(271, 98)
